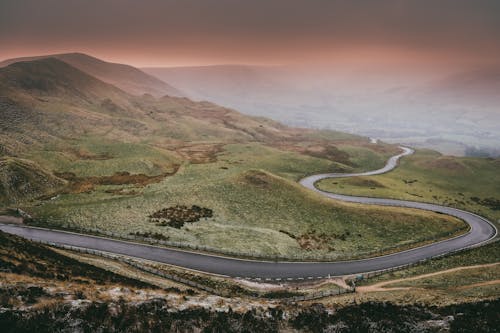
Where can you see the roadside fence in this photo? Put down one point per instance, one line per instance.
(248, 254)
(368, 275)
(199, 286)
(132, 263)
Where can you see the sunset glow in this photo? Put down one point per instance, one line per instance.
(201, 32)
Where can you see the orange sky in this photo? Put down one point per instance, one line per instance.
(200, 32)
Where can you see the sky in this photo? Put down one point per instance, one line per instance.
(265, 32)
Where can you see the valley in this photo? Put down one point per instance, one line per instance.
(116, 158)
(198, 205)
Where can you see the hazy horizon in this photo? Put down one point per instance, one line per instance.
(279, 32)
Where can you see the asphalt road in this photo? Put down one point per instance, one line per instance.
(481, 231)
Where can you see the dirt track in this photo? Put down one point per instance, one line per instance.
(380, 285)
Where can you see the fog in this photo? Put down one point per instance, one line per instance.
(450, 109)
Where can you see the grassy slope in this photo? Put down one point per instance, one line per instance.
(22, 179)
(93, 156)
(428, 176)
(483, 255)
(442, 289)
(458, 279)
(253, 193)
(19, 256)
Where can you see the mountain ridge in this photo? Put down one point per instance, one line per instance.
(53, 77)
(126, 77)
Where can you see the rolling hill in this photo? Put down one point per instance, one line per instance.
(479, 86)
(243, 87)
(110, 159)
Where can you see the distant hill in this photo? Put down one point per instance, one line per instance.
(278, 92)
(480, 86)
(125, 77)
(227, 84)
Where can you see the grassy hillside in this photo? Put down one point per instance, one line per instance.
(126, 158)
(252, 191)
(19, 257)
(472, 184)
(22, 179)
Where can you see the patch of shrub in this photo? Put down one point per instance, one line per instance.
(281, 294)
(491, 203)
(315, 241)
(153, 235)
(176, 216)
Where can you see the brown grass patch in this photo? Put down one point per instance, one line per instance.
(297, 142)
(200, 153)
(123, 191)
(380, 148)
(314, 241)
(323, 150)
(83, 154)
(363, 182)
(258, 179)
(328, 152)
(445, 163)
(87, 184)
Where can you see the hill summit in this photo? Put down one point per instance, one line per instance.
(125, 77)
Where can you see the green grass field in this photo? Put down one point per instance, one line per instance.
(471, 184)
(258, 208)
(456, 286)
(93, 156)
(456, 279)
(482, 255)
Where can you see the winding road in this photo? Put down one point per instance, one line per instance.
(481, 231)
